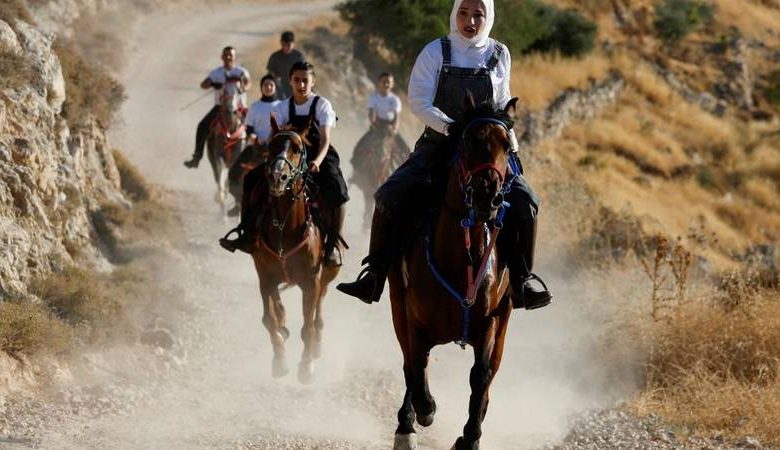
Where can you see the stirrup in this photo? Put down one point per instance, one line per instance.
(230, 244)
(363, 274)
(543, 300)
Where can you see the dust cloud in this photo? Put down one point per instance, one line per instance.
(223, 396)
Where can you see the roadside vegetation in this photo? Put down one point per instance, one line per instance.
(675, 188)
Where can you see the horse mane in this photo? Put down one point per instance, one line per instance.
(485, 110)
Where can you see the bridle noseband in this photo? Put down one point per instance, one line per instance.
(295, 172)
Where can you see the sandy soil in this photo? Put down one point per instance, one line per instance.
(223, 395)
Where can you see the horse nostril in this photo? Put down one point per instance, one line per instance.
(284, 177)
(498, 200)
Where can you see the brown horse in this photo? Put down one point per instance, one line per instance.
(226, 139)
(377, 154)
(449, 287)
(289, 249)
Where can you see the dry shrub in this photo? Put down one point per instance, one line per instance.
(716, 368)
(15, 70)
(80, 297)
(133, 183)
(11, 10)
(91, 91)
(28, 328)
(613, 235)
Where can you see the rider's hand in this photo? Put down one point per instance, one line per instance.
(192, 163)
(314, 167)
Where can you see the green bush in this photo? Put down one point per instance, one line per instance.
(675, 19)
(405, 26)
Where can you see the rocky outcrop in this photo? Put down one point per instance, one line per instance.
(570, 106)
(52, 179)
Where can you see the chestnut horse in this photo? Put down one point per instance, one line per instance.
(376, 156)
(289, 249)
(226, 139)
(448, 286)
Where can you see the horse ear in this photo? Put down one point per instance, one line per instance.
(469, 104)
(511, 107)
(274, 125)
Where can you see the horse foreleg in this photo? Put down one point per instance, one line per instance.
(311, 295)
(405, 436)
(487, 359)
(273, 319)
(422, 400)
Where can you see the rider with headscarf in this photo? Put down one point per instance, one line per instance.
(446, 71)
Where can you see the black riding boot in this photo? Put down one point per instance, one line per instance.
(332, 248)
(525, 293)
(371, 282)
(246, 229)
(201, 136)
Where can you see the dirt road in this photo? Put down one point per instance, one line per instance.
(224, 396)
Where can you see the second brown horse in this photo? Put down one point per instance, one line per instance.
(289, 249)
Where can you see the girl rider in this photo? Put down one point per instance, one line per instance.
(258, 120)
(384, 110)
(323, 162)
(467, 60)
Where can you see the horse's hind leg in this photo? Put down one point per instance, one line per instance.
(487, 359)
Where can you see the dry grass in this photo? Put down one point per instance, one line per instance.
(91, 91)
(28, 329)
(716, 368)
(11, 10)
(537, 79)
(132, 181)
(80, 297)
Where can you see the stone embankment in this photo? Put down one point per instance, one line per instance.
(53, 179)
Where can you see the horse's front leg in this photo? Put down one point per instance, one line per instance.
(309, 333)
(274, 321)
(487, 359)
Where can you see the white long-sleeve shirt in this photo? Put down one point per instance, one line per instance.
(425, 77)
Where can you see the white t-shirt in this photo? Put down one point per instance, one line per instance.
(220, 75)
(386, 108)
(324, 114)
(259, 118)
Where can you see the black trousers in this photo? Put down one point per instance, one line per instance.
(203, 132)
(420, 183)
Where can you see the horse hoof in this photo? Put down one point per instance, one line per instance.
(427, 420)
(405, 441)
(279, 368)
(306, 372)
(460, 444)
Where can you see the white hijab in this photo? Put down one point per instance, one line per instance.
(481, 39)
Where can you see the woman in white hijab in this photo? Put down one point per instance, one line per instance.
(465, 61)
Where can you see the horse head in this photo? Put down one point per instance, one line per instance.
(482, 164)
(287, 163)
(230, 106)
